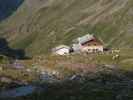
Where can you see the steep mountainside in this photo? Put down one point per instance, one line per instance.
(39, 25)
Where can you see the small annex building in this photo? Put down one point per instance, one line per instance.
(88, 43)
(61, 50)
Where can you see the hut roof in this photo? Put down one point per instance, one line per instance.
(60, 47)
(84, 39)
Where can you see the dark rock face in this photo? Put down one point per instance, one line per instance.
(7, 7)
(7, 51)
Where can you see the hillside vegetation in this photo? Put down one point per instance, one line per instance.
(39, 25)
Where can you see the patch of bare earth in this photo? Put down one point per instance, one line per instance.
(79, 66)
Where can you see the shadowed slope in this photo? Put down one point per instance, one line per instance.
(7, 7)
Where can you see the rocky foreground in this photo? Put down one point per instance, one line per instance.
(73, 77)
(109, 85)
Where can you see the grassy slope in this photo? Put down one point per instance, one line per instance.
(61, 21)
